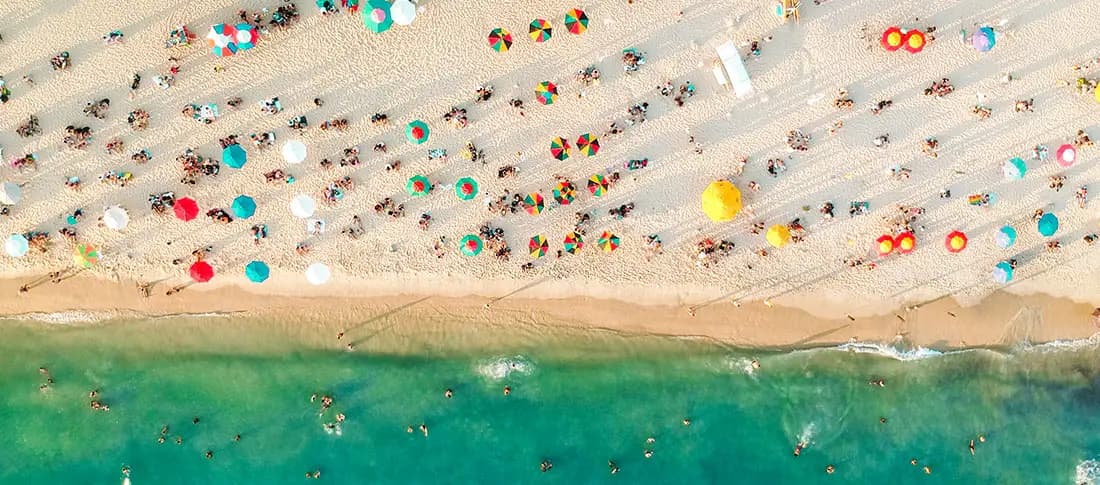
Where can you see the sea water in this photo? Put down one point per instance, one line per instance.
(1038, 408)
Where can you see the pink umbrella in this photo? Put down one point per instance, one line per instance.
(1067, 155)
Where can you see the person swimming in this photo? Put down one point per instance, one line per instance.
(613, 467)
(507, 390)
(687, 422)
(647, 453)
(971, 447)
(927, 470)
(424, 429)
(545, 466)
(798, 448)
(448, 394)
(830, 469)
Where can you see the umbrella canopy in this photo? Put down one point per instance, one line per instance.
(983, 40)
(302, 206)
(540, 30)
(892, 38)
(1096, 94)
(1003, 272)
(418, 186)
(222, 40)
(10, 193)
(470, 245)
(376, 16)
(608, 242)
(721, 201)
(466, 188)
(778, 235)
(403, 12)
(1005, 237)
(116, 218)
(576, 21)
(546, 92)
(955, 242)
(318, 274)
(1067, 155)
(565, 192)
(884, 245)
(257, 271)
(573, 242)
(914, 41)
(85, 255)
(534, 203)
(244, 206)
(294, 151)
(500, 39)
(186, 209)
(906, 242)
(588, 144)
(234, 156)
(538, 246)
(417, 132)
(201, 272)
(16, 245)
(1014, 169)
(597, 185)
(246, 36)
(1048, 224)
(559, 148)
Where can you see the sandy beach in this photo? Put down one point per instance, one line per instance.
(813, 297)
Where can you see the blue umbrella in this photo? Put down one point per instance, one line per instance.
(1014, 169)
(234, 156)
(257, 271)
(244, 206)
(984, 39)
(1005, 237)
(1048, 224)
(1003, 272)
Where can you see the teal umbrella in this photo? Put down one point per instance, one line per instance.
(466, 188)
(234, 156)
(376, 16)
(257, 271)
(470, 245)
(1048, 224)
(244, 206)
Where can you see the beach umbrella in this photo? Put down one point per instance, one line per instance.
(534, 203)
(234, 156)
(10, 193)
(884, 245)
(244, 206)
(608, 242)
(376, 16)
(1096, 94)
(576, 21)
(246, 36)
(1003, 272)
(85, 255)
(1005, 237)
(546, 93)
(892, 38)
(721, 201)
(559, 148)
(186, 209)
(906, 242)
(983, 40)
(116, 218)
(418, 186)
(201, 272)
(597, 185)
(470, 245)
(778, 235)
(573, 242)
(914, 41)
(466, 188)
(1048, 224)
(500, 39)
(565, 192)
(955, 242)
(1067, 155)
(16, 245)
(318, 274)
(540, 30)
(302, 206)
(403, 12)
(257, 271)
(1014, 169)
(222, 40)
(294, 151)
(417, 132)
(588, 144)
(538, 246)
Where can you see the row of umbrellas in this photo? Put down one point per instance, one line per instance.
(1015, 168)
(538, 246)
(466, 188)
(379, 15)
(540, 30)
(913, 40)
(587, 144)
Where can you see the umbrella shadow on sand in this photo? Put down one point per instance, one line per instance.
(382, 316)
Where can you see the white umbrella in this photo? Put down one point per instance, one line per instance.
(16, 245)
(10, 194)
(116, 218)
(318, 274)
(294, 151)
(403, 12)
(302, 206)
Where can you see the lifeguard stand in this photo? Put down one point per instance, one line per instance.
(788, 9)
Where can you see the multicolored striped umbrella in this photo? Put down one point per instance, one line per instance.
(246, 37)
(470, 245)
(538, 246)
(588, 144)
(534, 203)
(500, 39)
(376, 16)
(546, 93)
(417, 132)
(540, 30)
(559, 148)
(418, 186)
(565, 192)
(608, 242)
(85, 255)
(222, 40)
(466, 188)
(597, 185)
(576, 21)
(573, 242)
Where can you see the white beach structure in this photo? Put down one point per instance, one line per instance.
(730, 70)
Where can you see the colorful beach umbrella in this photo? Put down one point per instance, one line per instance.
(244, 206)
(418, 186)
(588, 144)
(597, 185)
(559, 148)
(608, 242)
(116, 218)
(500, 39)
(10, 193)
(540, 30)
(234, 156)
(906, 242)
(246, 36)
(417, 132)
(85, 255)
(955, 242)
(573, 242)
(538, 246)
(778, 236)
(576, 21)
(403, 12)
(1096, 94)
(721, 201)
(984, 39)
(884, 245)
(1067, 155)
(534, 203)
(565, 192)
(470, 245)
(222, 40)
(318, 274)
(1005, 237)
(914, 41)
(17, 245)
(546, 93)
(303, 206)
(201, 271)
(186, 209)
(1003, 272)
(892, 39)
(1014, 169)
(257, 271)
(376, 16)
(466, 188)
(1048, 224)
(294, 152)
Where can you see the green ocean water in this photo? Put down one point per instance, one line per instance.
(577, 403)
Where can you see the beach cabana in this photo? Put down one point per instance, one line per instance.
(576, 21)
(294, 152)
(721, 201)
(10, 193)
(376, 16)
(234, 156)
(1005, 237)
(955, 242)
(540, 30)
(257, 271)
(788, 9)
(730, 70)
(403, 12)
(1048, 224)
(573, 242)
(16, 245)
(608, 242)
(466, 188)
(538, 246)
(1003, 272)
(470, 245)
(244, 206)
(1014, 169)
(318, 274)
(303, 206)
(116, 218)
(201, 272)
(778, 236)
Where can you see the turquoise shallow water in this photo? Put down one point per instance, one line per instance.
(1039, 410)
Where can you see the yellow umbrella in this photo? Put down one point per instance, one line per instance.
(721, 201)
(1096, 94)
(778, 235)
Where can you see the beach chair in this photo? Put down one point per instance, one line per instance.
(787, 9)
(733, 70)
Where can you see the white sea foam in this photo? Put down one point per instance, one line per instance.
(891, 351)
(1088, 473)
(66, 318)
(807, 434)
(502, 367)
(1064, 345)
(740, 365)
